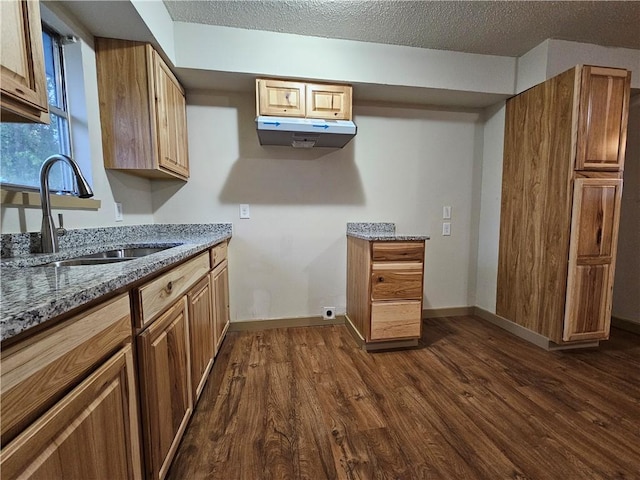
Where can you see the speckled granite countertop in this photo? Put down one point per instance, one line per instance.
(379, 231)
(31, 294)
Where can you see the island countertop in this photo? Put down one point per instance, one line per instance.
(379, 231)
(31, 293)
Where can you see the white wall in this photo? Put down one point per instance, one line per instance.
(289, 259)
(489, 224)
(626, 290)
(295, 56)
(564, 55)
(134, 193)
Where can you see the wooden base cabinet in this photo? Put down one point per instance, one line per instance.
(69, 399)
(88, 434)
(561, 191)
(182, 316)
(165, 384)
(384, 290)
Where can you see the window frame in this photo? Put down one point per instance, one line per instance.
(60, 72)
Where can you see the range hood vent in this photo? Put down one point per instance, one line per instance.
(304, 132)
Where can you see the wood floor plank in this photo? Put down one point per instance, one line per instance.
(471, 402)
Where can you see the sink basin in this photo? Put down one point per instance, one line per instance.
(126, 253)
(109, 256)
(73, 262)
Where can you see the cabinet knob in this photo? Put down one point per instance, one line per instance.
(169, 286)
(380, 279)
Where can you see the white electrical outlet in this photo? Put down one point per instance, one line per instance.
(328, 313)
(118, 210)
(446, 212)
(245, 211)
(446, 229)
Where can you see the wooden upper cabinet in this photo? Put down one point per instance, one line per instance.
(23, 82)
(281, 98)
(602, 118)
(303, 100)
(142, 111)
(594, 232)
(329, 101)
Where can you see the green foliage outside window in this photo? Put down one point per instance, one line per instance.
(24, 147)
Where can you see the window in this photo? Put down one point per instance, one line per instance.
(24, 147)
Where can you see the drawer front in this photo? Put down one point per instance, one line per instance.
(158, 294)
(37, 372)
(396, 280)
(396, 320)
(398, 251)
(218, 254)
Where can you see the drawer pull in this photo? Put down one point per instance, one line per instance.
(169, 286)
(381, 279)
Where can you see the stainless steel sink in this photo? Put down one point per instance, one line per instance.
(73, 262)
(109, 256)
(126, 253)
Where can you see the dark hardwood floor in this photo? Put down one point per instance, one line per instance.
(472, 402)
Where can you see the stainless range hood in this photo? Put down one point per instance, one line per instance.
(304, 132)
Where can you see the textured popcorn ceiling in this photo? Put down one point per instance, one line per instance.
(509, 28)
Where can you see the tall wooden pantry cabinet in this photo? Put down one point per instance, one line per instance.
(564, 155)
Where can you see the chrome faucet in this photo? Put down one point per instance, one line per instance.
(48, 233)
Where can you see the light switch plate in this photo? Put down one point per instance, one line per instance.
(446, 212)
(245, 211)
(446, 229)
(118, 210)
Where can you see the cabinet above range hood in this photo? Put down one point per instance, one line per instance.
(304, 132)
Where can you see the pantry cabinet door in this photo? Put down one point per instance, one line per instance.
(594, 237)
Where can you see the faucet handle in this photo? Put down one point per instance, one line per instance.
(61, 230)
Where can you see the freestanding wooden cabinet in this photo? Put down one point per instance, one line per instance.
(561, 190)
(296, 99)
(23, 89)
(384, 291)
(165, 383)
(142, 111)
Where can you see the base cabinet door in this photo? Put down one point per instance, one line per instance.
(594, 237)
(165, 384)
(90, 433)
(201, 327)
(220, 283)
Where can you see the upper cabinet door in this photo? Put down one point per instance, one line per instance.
(329, 101)
(280, 98)
(602, 121)
(23, 83)
(171, 120)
